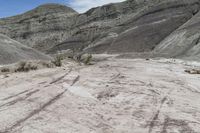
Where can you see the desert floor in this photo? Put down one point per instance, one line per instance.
(111, 96)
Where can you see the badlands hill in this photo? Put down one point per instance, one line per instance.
(12, 51)
(184, 42)
(126, 27)
(39, 28)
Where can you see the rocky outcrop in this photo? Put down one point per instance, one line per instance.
(12, 51)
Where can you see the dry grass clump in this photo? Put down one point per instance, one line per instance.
(58, 60)
(84, 58)
(46, 64)
(81, 57)
(193, 71)
(87, 59)
(61, 55)
(4, 70)
(26, 66)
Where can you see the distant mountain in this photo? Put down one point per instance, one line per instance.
(126, 27)
(12, 51)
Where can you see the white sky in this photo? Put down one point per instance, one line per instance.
(84, 5)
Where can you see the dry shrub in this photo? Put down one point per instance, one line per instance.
(84, 58)
(46, 64)
(58, 60)
(24, 66)
(4, 70)
(193, 71)
(88, 59)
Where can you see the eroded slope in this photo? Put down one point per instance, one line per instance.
(130, 26)
(184, 42)
(12, 51)
(41, 27)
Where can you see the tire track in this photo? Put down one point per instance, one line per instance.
(38, 110)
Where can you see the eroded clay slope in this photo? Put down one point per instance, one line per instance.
(40, 28)
(12, 51)
(130, 26)
(184, 42)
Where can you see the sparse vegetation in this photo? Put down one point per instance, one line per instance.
(88, 59)
(24, 66)
(46, 64)
(4, 70)
(58, 60)
(61, 55)
(83, 58)
(193, 71)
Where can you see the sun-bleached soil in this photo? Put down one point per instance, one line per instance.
(111, 96)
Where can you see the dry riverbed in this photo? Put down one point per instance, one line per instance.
(112, 96)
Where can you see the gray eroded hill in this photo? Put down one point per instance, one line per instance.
(184, 42)
(126, 27)
(40, 28)
(12, 51)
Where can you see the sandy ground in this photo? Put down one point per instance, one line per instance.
(112, 96)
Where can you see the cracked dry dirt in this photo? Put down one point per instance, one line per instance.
(112, 96)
